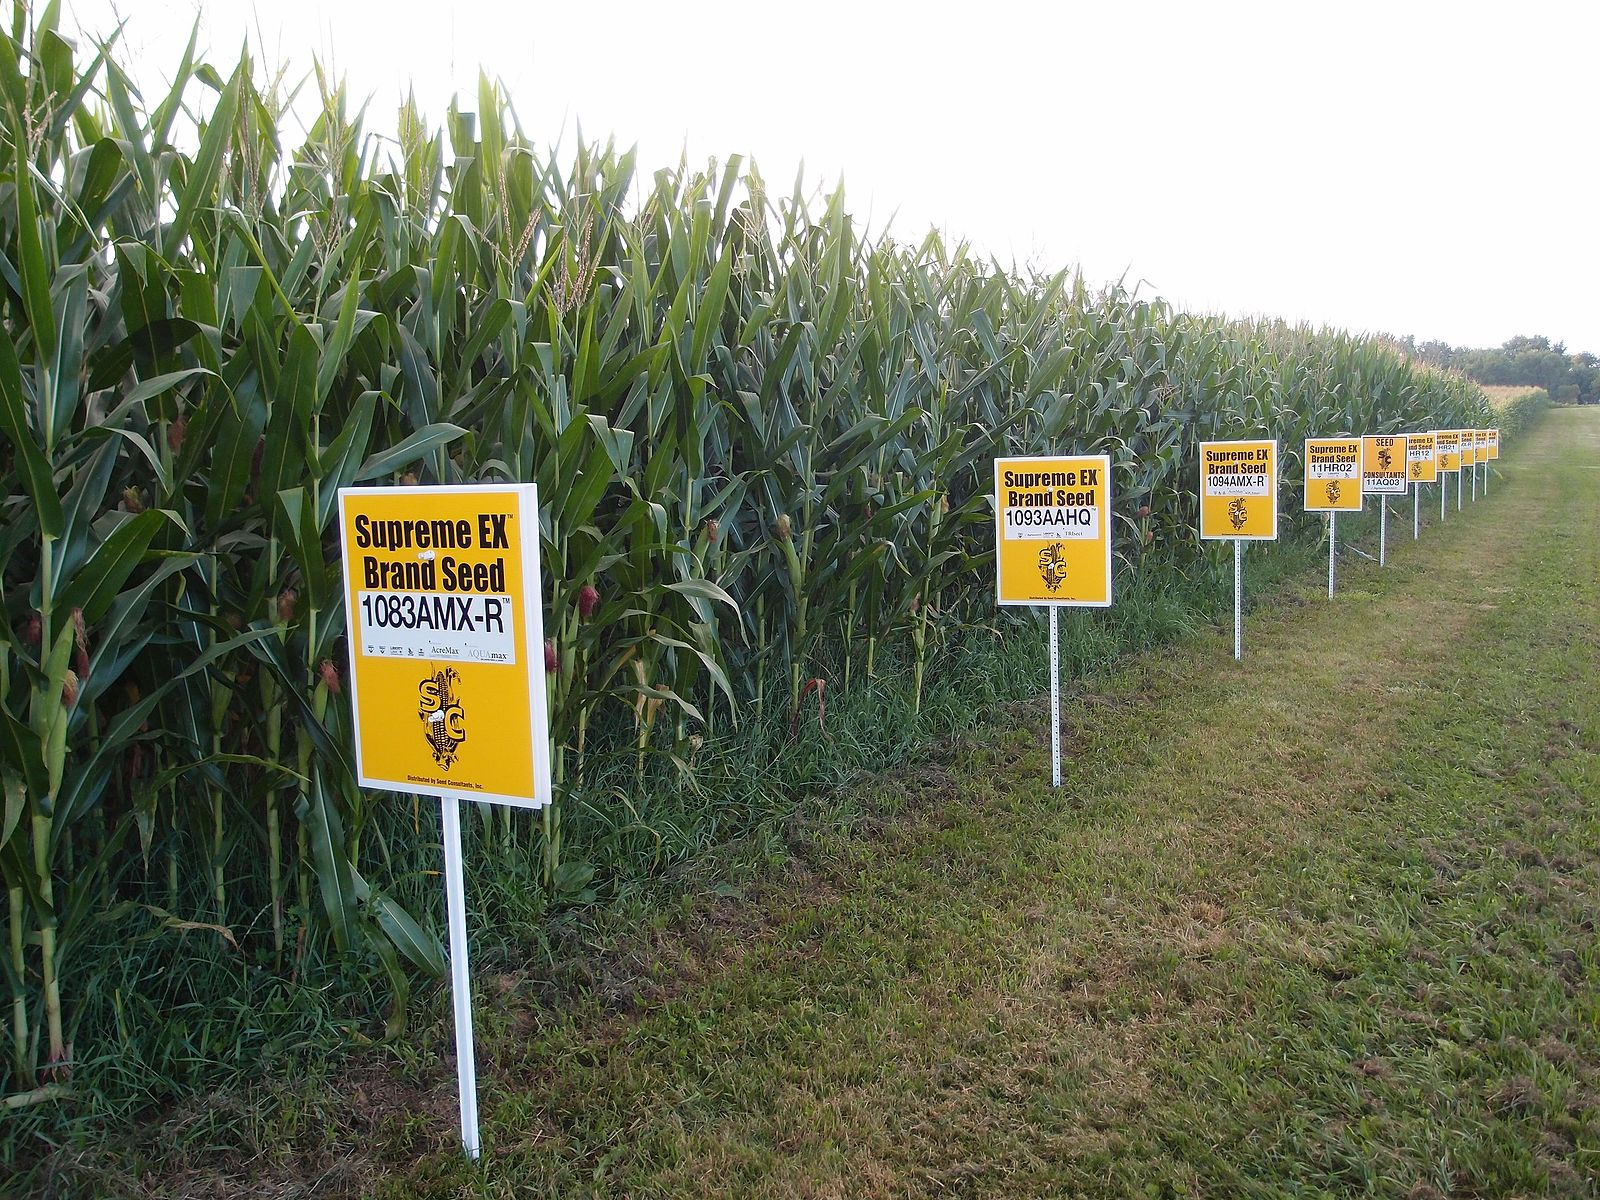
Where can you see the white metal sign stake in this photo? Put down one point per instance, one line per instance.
(1055, 698)
(1474, 482)
(1333, 537)
(460, 984)
(1239, 503)
(1416, 512)
(1383, 531)
(484, 730)
(1053, 518)
(1444, 488)
(1460, 487)
(1238, 595)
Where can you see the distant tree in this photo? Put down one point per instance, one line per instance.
(1521, 345)
(1440, 354)
(1523, 361)
(1586, 374)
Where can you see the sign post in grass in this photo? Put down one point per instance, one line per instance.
(1053, 547)
(1448, 444)
(442, 601)
(1423, 468)
(1333, 485)
(1384, 473)
(1239, 503)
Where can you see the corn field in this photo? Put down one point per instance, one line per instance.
(762, 442)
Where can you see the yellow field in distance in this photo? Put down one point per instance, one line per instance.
(1499, 396)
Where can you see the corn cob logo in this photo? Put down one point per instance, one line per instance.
(444, 721)
(1053, 566)
(1238, 512)
(1385, 459)
(1333, 491)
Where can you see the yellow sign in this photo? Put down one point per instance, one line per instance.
(1448, 442)
(1333, 474)
(1421, 457)
(1494, 444)
(1469, 447)
(1239, 490)
(1053, 530)
(1383, 465)
(442, 601)
(1482, 436)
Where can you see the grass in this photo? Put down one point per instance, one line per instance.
(196, 1022)
(1320, 923)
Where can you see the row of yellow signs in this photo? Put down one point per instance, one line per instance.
(1053, 514)
(1339, 471)
(446, 631)
(1239, 480)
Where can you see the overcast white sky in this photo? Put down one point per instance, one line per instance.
(1410, 167)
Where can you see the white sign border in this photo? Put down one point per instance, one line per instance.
(1361, 469)
(1438, 468)
(1405, 476)
(1111, 521)
(1240, 537)
(533, 649)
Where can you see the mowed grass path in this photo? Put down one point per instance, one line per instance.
(1316, 924)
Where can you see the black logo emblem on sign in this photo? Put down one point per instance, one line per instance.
(1238, 512)
(444, 721)
(1333, 491)
(1385, 459)
(1053, 566)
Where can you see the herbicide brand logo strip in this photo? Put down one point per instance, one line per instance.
(1239, 490)
(1421, 462)
(1053, 530)
(1383, 465)
(442, 596)
(1333, 474)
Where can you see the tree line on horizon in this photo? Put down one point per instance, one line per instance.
(1531, 361)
